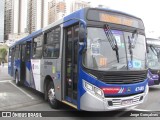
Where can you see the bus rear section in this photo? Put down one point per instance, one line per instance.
(153, 61)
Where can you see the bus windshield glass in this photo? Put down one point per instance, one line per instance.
(153, 57)
(99, 54)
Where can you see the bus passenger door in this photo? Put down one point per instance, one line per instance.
(71, 69)
(26, 63)
(22, 68)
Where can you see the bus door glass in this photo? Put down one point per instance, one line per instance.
(25, 62)
(28, 62)
(71, 67)
(22, 68)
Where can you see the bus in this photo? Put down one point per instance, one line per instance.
(153, 61)
(93, 59)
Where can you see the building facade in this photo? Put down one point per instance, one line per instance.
(15, 19)
(79, 4)
(23, 17)
(37, 15)
(2, 10)
(56, 10)
(8, 18)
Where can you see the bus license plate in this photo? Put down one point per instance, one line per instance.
(127, 102)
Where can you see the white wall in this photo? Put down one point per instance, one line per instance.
(2, 20)
(15, 15)
(45, 21)
(23, 15)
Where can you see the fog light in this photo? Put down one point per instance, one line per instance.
(141, 98)
(110, 103)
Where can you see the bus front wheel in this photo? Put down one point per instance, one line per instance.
(54, 103)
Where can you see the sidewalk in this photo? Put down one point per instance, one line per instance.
(5, 65)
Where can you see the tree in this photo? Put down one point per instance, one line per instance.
(3, 53)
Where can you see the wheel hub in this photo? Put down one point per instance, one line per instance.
(51, 95)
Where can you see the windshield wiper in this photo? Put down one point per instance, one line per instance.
(112, 40)
(154, 50)
(132, 41)
(130, 47)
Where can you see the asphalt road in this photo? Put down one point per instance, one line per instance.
(13, 98)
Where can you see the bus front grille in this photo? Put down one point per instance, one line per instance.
(120, 77)
(123, 79)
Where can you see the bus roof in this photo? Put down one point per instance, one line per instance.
(27, 38)
(80, 14)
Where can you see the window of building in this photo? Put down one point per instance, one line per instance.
(52, 43)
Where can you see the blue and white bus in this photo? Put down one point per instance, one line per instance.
(93, 59)
(153, 61)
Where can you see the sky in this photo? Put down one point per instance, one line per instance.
(147, 10)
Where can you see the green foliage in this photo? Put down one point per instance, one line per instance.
(3, 53)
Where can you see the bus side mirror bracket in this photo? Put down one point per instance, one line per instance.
(82, 34)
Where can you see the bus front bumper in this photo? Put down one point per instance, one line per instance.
(89, 102)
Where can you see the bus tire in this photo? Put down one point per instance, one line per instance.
(17, 79)
(53, 102)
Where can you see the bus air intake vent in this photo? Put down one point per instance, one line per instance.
(120, 77)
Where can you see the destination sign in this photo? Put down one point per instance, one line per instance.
(114, 18)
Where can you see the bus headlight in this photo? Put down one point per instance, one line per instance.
(93, 89)
(98, 91)
(88, 86)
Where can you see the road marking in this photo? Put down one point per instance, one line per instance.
(22, 91)
(4, 81)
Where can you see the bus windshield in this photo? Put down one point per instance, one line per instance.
(99, 54)
(153, 57)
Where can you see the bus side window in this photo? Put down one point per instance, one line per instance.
(13, 54)
(37, 46)
(17, 52)
(52, 43)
